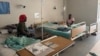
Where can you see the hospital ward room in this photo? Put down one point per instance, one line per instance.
(49, 27)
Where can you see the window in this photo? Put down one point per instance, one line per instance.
(4, 8)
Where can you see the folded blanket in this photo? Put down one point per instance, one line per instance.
(63, 29)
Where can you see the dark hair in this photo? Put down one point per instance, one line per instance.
(69, 16)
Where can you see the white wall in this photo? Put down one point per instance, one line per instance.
(50, 13)
(83, 10)
(32, 6)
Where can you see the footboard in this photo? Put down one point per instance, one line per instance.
(78, 31)
(93, 28)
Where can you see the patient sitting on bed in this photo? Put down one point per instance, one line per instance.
(22, 29)
(70, 20)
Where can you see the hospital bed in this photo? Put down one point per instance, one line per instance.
(73, 32)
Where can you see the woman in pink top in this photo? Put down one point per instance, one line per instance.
(70, 20)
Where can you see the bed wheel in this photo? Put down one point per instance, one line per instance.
(0, 32)
(62, 51)
(87, 35)
(73, 45)
(94, 34)
(81, 38)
